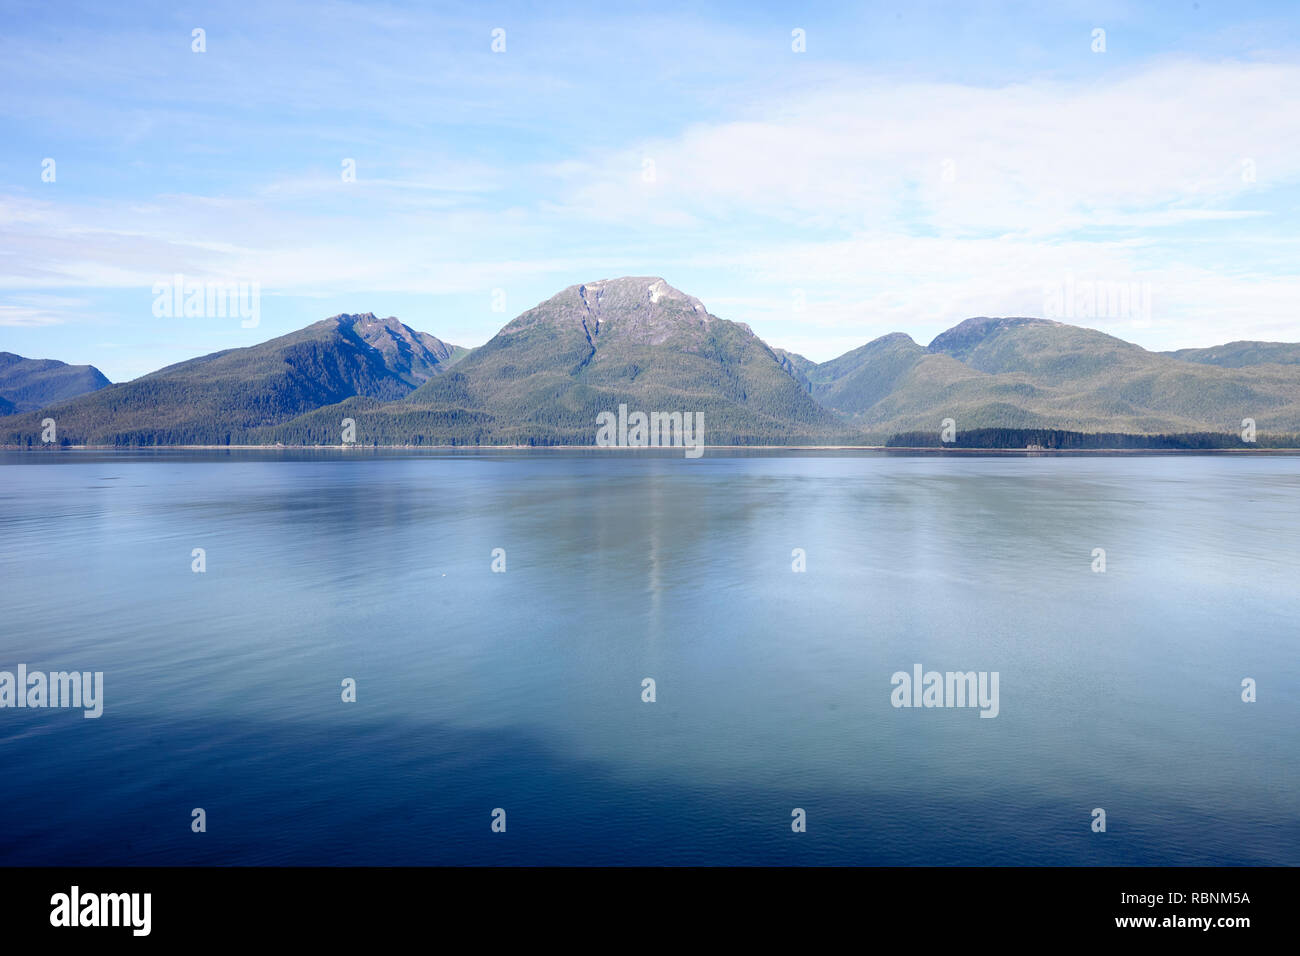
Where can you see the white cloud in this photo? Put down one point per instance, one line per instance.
(1160, 146)
(857, 289)
(839, 191)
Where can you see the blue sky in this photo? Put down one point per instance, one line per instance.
(915, 165)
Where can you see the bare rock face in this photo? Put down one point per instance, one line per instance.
(413, 356)
(634, 310)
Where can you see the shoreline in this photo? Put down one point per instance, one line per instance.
(673, 451)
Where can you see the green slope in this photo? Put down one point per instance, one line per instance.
(28, 384)
(636, 341)
(1032, 373)
(796, 366)
(1242, 354)
(545, 377)
(226, 396)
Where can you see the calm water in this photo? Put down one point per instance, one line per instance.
(522, 690)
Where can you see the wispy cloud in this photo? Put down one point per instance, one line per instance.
(934, 179)
(40, 310)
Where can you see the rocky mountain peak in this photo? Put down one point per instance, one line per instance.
(634, 309)
(413, 355)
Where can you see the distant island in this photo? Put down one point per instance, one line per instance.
(548, 374)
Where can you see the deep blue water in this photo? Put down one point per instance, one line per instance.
(522, 690)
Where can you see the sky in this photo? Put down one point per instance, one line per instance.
(826, 173)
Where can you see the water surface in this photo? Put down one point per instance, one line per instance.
(522, 689)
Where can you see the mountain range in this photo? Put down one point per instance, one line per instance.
(637, 341)
(28, 384)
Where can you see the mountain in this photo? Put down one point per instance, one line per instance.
(796, 366)
(28, 384)
(1035, 373)
(637, 342)
(413, 356)
(967, 337)
(857, 380)
(547, 375)
(1242, 354)
(224, 397)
